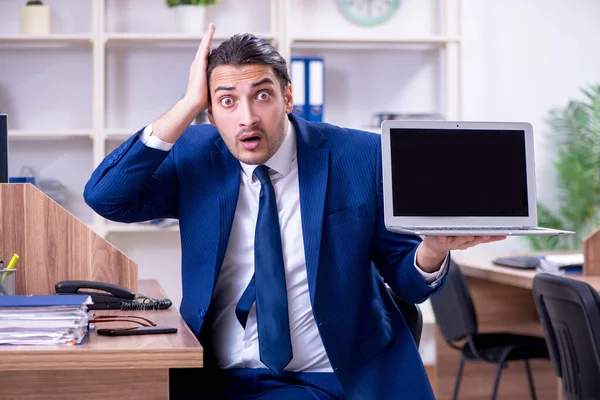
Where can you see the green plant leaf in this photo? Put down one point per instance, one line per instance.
(175, 3)
(576, 129)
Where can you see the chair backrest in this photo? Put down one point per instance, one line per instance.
(412, 315)
(569, 311)
(453, 307)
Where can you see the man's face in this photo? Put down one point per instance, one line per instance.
(249, 110)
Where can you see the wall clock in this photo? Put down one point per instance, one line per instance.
(368, 12)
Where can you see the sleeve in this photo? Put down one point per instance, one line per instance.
(393, 254)
(154, 141)
(134, 183)
(433, 278)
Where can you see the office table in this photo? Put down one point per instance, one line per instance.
(503, 303)
(127, 367)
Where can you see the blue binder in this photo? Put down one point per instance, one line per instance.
(308, 87)
(44, 300)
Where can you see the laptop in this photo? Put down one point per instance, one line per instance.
(445, 178)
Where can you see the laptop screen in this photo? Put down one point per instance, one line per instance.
(456, 173)
(3, 149)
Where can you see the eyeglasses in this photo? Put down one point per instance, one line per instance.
(123, 318)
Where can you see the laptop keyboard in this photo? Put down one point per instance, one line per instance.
(523, 262)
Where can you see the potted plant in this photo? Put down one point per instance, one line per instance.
(190, 14)
(35, 18)
(577, 130)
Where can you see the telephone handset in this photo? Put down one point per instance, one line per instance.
(114, 297)
(111, 296)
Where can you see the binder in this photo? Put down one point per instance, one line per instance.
(75, 300)
(308, 87)
(316, 77)
(299, 87)
(44, 319)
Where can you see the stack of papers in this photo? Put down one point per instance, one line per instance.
(566, 260)
(43, 320)
(559, 264)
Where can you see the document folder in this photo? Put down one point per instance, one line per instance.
(44, 300)
(316, 78)
(299, 87)
(43, 319)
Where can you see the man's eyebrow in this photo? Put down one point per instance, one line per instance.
(255, 84)
(263, 81)
(224, 88)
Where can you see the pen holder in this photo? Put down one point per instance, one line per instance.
(7, 280)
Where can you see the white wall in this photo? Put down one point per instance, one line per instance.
(158, 256)
(523, 58)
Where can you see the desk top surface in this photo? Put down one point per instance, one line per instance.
(478, 264)
(179, 350)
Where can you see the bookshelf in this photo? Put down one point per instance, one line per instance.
(55, 38)
(113, 50)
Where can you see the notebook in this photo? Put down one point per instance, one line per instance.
(445, 178)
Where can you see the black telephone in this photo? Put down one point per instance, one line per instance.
(114, 297)
(110, 300)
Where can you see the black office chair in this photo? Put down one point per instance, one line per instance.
(412, 315)
(570, 315)
(455, 315)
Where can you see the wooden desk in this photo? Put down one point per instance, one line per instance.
(503, 303)
(128, 367)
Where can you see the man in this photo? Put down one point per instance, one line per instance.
(284, 248)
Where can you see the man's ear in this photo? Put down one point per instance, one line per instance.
(289, 99)
(211, 119)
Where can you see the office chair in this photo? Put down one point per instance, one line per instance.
(455, 315)
(570, 314)
(412, 315)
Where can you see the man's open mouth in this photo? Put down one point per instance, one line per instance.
(251, 141)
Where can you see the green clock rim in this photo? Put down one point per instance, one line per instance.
(368, 22)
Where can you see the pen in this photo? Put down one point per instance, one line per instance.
(11, 265)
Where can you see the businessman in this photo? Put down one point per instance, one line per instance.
(285, 256)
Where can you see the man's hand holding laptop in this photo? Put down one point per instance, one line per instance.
(433, 250)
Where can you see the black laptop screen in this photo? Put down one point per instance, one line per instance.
(3, 149)
(454, 173)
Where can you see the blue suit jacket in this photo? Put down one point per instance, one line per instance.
(347, 247)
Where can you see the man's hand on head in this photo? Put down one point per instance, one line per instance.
(434, 249)
(197, 90)
(171, 126)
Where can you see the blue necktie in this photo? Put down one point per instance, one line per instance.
(267, 286)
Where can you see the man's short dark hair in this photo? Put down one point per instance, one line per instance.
(245, 49)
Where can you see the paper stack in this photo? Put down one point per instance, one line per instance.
(43, 320)
(559, 264)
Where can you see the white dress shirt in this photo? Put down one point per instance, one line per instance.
(234, 346)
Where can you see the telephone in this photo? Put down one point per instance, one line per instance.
(109, 300)
(110, 297)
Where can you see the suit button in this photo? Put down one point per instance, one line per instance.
(115, 157)
(202, 313)
(320, 324)
(120, 151)
(125, 146)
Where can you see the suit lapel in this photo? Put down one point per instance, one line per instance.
(226, 172)
(313, 171)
